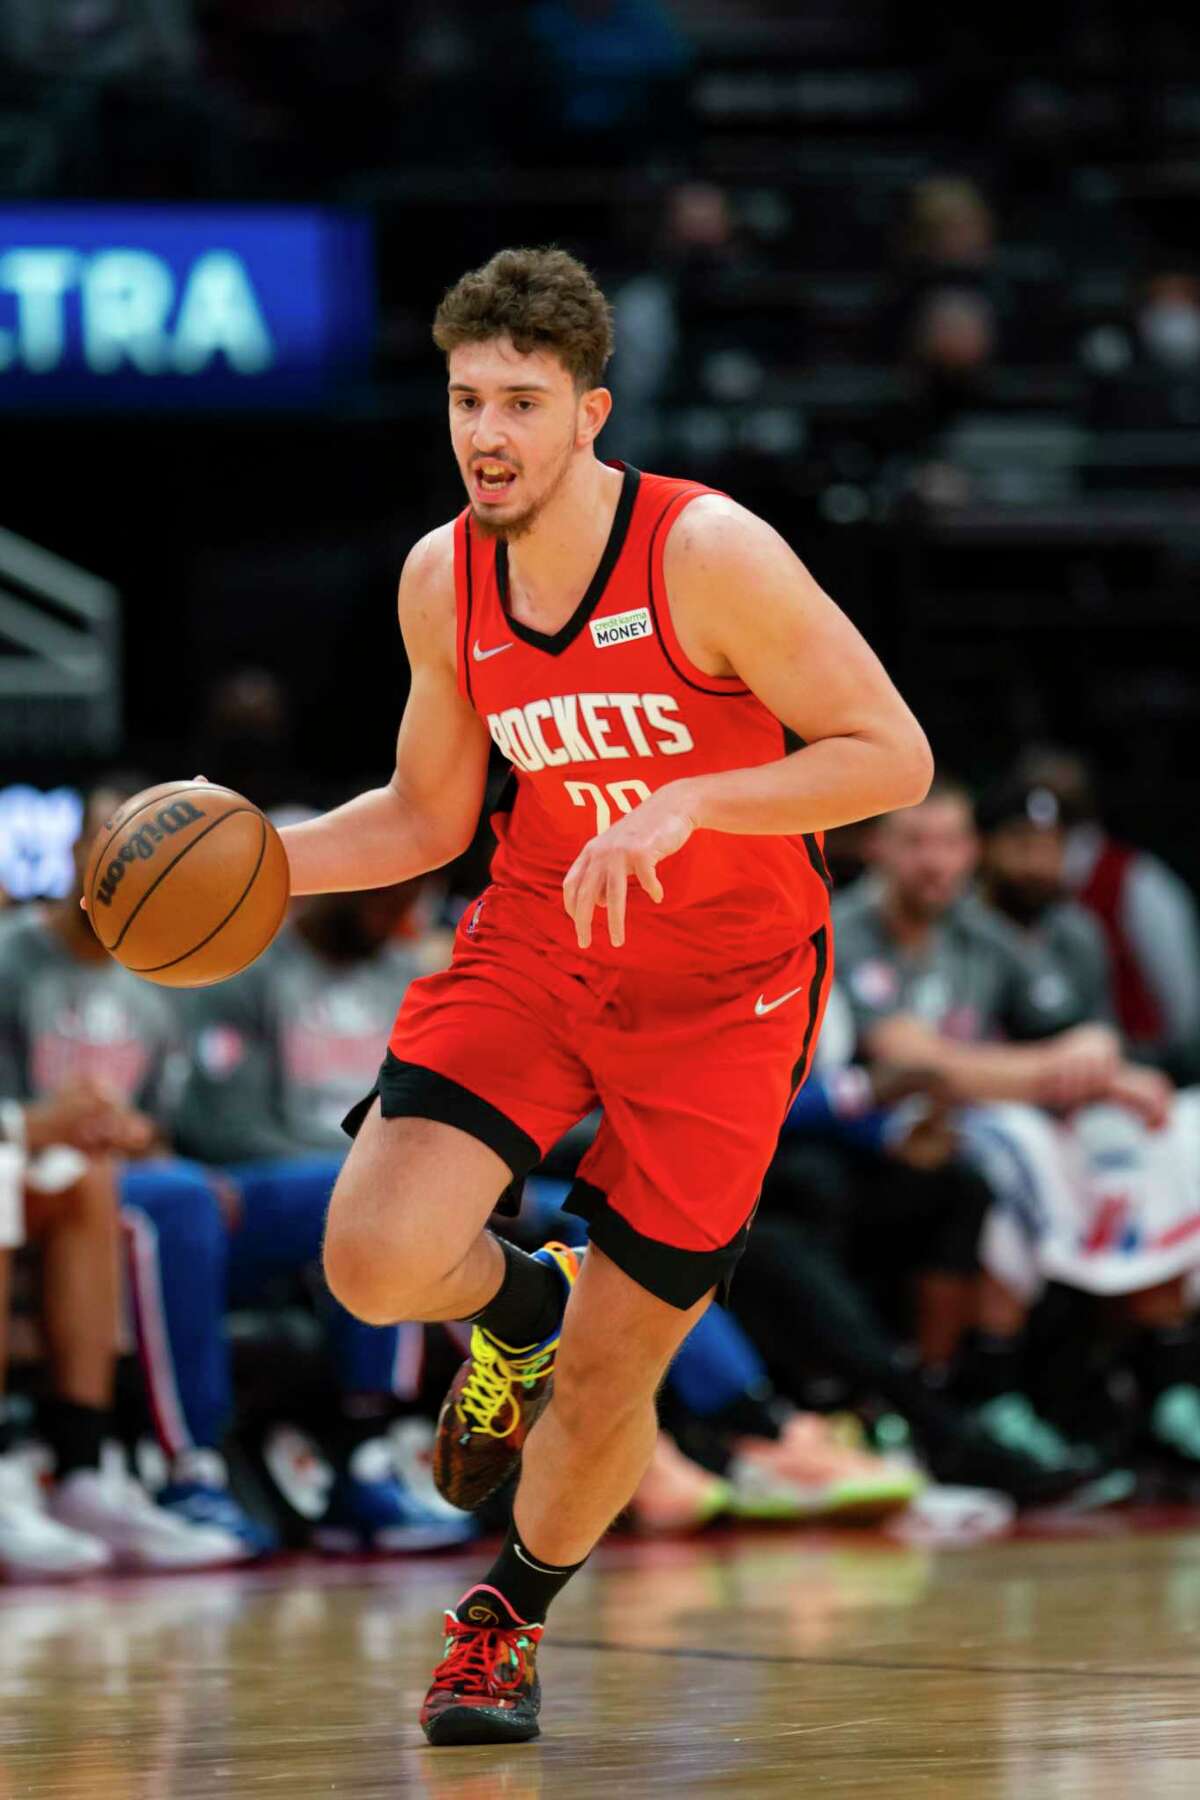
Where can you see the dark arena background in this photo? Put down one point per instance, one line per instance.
(920, 287)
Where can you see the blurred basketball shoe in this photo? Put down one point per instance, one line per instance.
(371, 1508)
(811, 1471)
(494, 1402)
(34, 1546)
(107, 1503)
(676, 1494)
(199, 1492)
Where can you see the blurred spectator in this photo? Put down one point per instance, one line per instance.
(245, 739)
(1168, 322)
(117, 97)
(62, 1192)
(660, 314)
(1146, 364)
(1147, 913)
(1023, 875)
(1095, 1173)
(947, 244)
(99, 38)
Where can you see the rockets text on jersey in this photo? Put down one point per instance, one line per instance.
(597, 716)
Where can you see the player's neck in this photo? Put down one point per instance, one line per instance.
(909, 928)
(549, 568)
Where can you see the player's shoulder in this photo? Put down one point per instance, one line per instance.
(430, 562)
(714, 528)
(426, 597)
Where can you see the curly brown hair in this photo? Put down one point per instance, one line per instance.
(542, 300)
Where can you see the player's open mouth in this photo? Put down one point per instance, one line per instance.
(492, 480)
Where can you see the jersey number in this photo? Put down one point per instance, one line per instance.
(623, 795)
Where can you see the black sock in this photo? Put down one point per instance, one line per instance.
(1165, 1356)
(358, 1418)
(988, 1367)
(528, 1305)
(75, 1434)
(519, 1578)
(6, 1428)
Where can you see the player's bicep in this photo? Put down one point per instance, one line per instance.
(442, 746)
(761, 611)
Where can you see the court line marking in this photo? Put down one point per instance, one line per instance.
(686, 1652)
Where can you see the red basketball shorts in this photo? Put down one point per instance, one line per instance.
(519, 1039)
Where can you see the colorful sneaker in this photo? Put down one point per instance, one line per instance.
(676, 1494)
(812, 1472)
(199, 1492)
(494, 1402)
(485, 1690)
(371, 1509)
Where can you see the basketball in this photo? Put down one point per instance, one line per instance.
(186, 884)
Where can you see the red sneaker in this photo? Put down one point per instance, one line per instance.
(485, 1690)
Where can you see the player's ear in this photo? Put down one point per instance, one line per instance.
(594, 408)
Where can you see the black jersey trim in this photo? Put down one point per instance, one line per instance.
(718, 693)
(555, 642)
(470, 558)
(680, 1277)
(793, 741)
(816, 994)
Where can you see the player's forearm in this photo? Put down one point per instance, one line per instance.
(372, 841)
(834, 782)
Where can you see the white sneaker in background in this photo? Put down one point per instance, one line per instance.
(109, 1504)
(412, 1457)
(32, 1545)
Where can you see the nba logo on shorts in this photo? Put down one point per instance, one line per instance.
(473, 921)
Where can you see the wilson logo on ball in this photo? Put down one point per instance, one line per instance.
(142, 845)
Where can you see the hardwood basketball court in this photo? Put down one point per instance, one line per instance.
(1064, 1665)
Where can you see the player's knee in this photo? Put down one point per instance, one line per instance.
(359, 1278)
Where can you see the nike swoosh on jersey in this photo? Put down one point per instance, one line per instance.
(762, 1005)
(482, 655)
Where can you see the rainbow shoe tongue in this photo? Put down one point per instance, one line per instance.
(486, 1606)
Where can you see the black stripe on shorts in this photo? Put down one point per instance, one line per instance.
(408, 1090)
(680, 1277)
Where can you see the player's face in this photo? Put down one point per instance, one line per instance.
(927, 854)
(1024, 865)
(517, 422)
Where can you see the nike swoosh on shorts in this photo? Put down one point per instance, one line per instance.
(482, 655)
(762, 1005)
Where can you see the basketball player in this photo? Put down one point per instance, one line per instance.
(686, 713)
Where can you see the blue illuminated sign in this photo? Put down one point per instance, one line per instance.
(178, 306)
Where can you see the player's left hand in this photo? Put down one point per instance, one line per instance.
(633, 846)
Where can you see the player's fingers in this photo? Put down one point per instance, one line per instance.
(586, 898)
(614, 898)
(647, 874)
(571, 880)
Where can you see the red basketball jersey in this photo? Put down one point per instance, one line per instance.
(597, 716)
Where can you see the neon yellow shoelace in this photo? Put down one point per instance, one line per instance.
(489, 1401)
